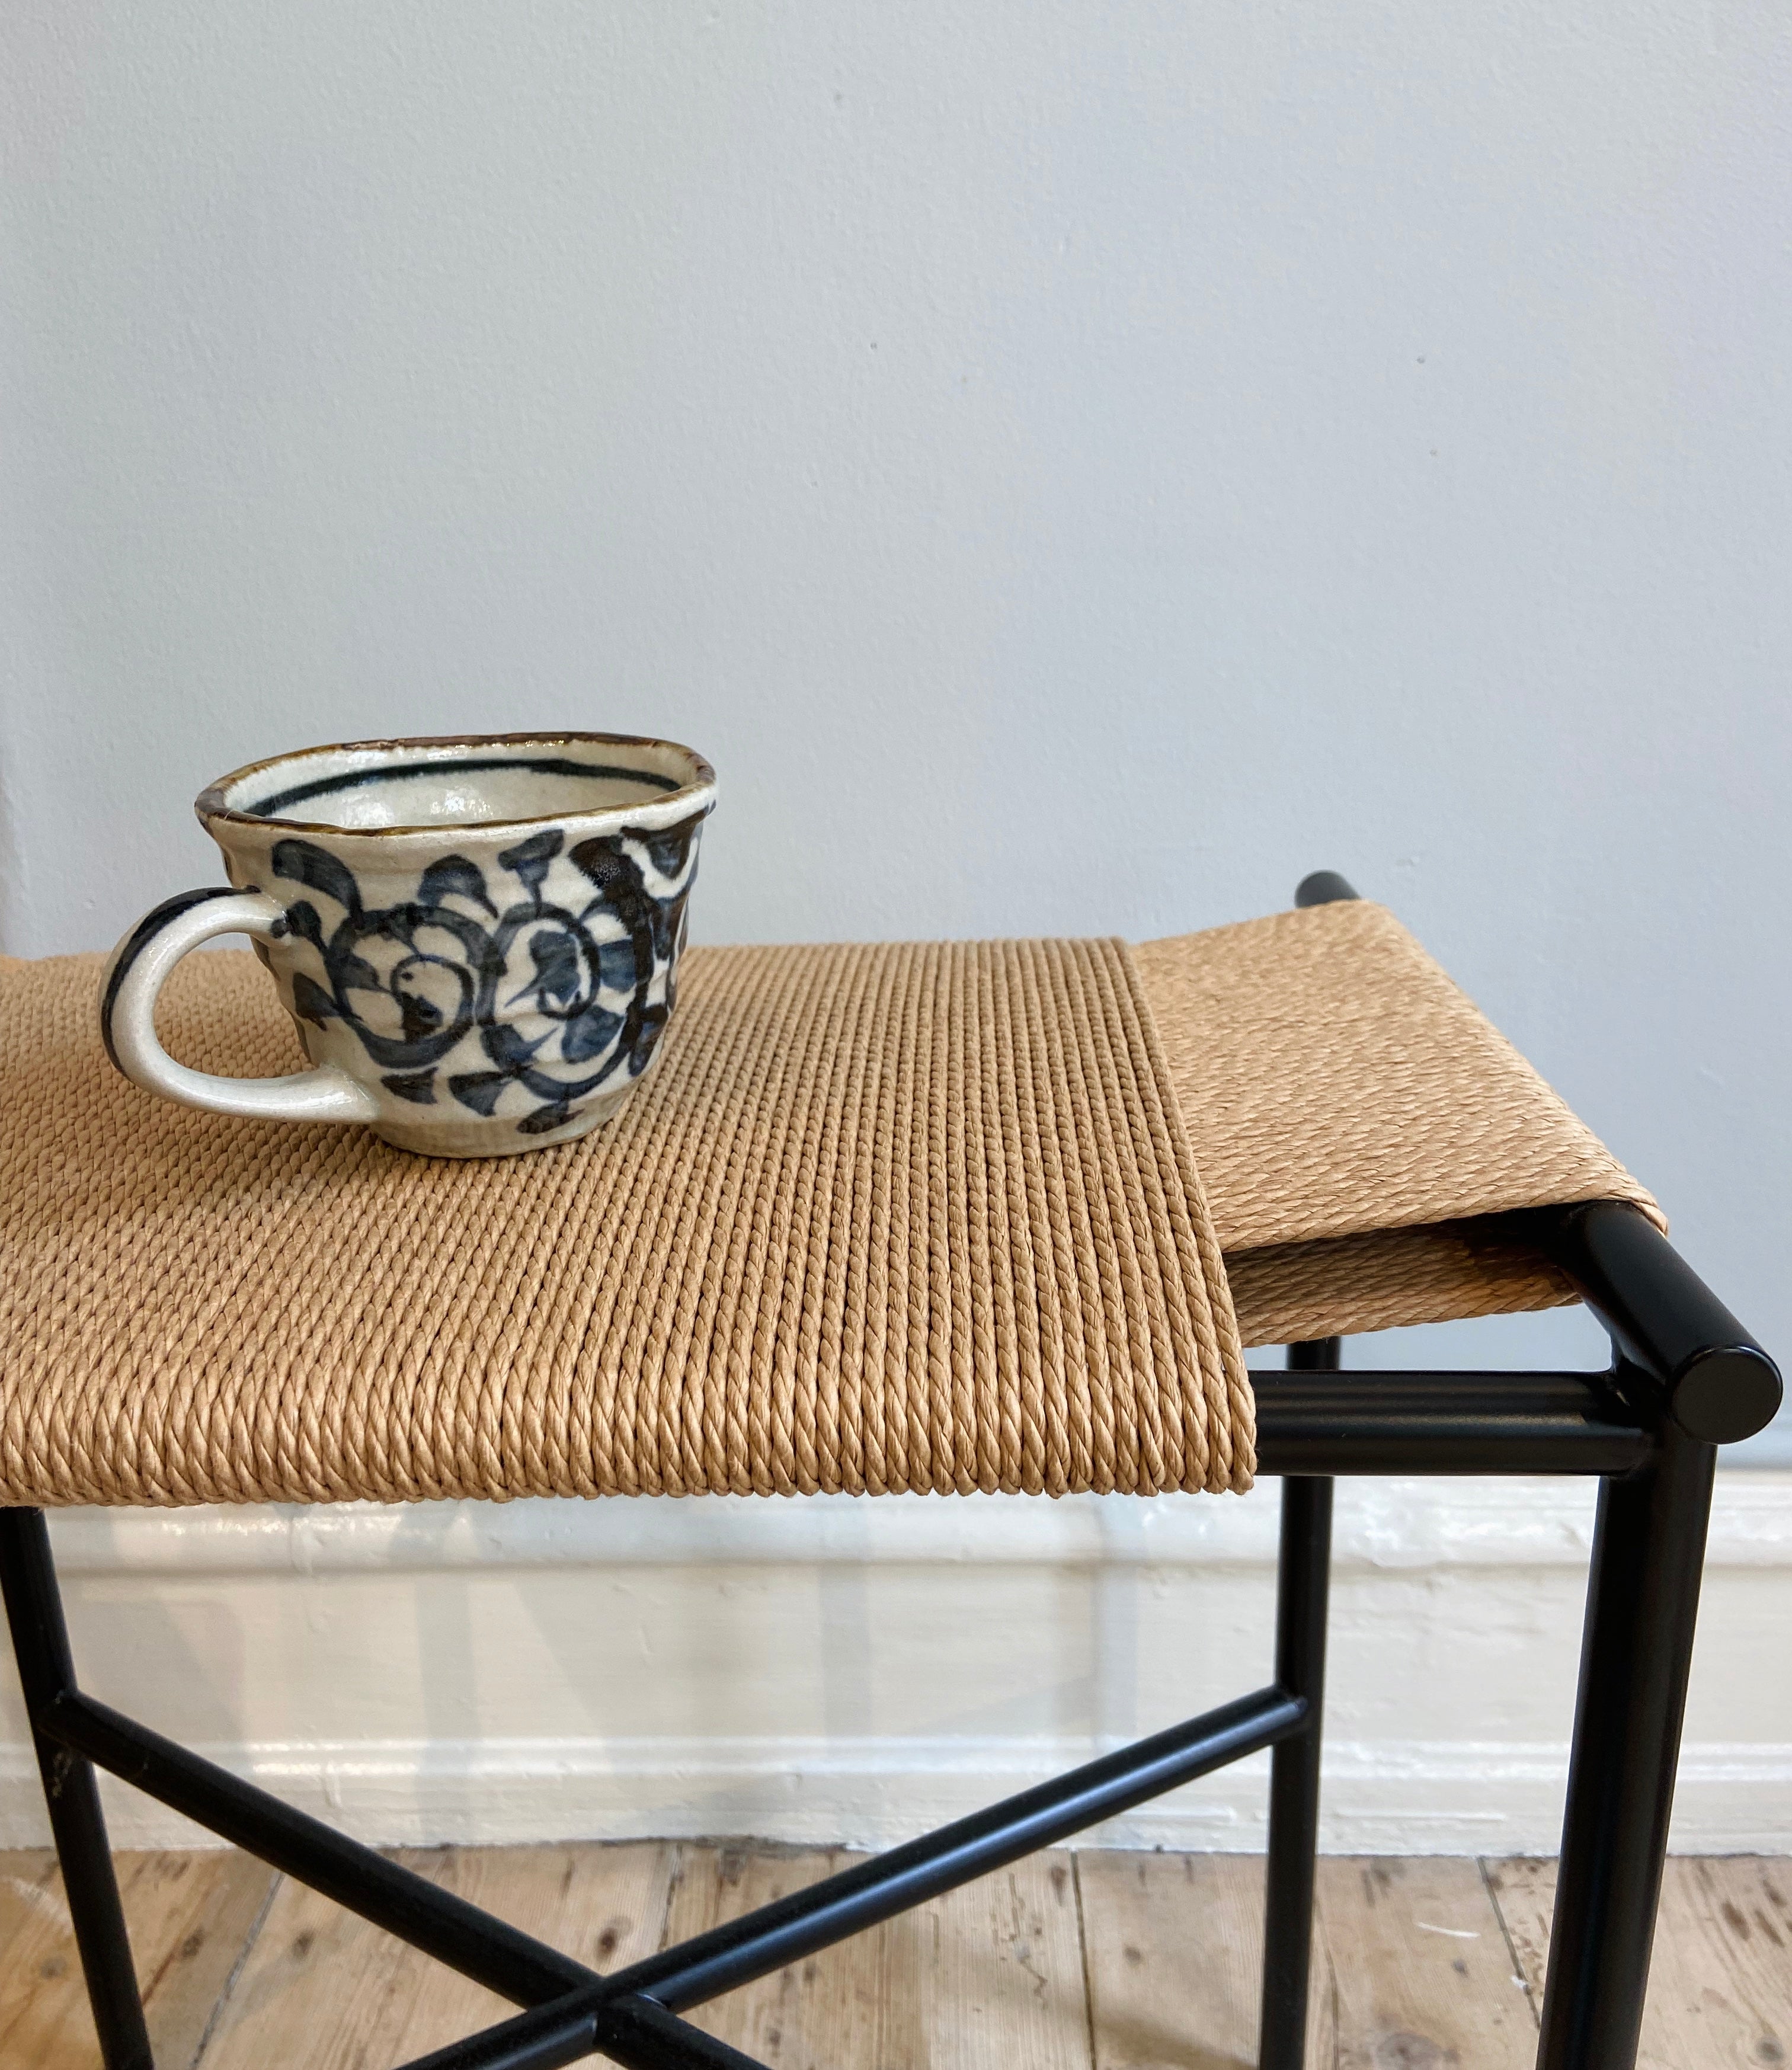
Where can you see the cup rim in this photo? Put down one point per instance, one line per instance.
(699, 792)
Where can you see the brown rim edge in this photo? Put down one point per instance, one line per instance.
(210, 803)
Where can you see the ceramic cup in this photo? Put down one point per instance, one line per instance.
(477, 939)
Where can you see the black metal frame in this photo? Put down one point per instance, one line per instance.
(1686, 1378)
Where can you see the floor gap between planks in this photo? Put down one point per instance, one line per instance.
(1098, 1960)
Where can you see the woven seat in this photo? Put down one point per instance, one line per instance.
(908, 1217)
(923, 1216)
(1360, 1128)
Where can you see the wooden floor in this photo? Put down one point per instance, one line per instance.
(1091, 1960)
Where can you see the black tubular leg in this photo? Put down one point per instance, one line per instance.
(1302, 1591)
(46, 1671)
(1642, 1601)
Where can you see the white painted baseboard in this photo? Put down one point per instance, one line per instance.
(1381, 1797)
(858, 1670)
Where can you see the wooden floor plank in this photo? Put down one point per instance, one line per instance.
(1174, 1948)
(1414, 1959)
(1410, 1969)
(189, 1915)
(988, 1975)
(323, 1990)
(1005, 1974)
(1525, 1890)
(1720, 1981)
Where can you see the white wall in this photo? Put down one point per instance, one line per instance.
(1072, 467)
(827, 1669)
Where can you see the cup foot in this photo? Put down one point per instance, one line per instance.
(496, 1137)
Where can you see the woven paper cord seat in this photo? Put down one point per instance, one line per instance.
(1360, 1128)
(908, 1217)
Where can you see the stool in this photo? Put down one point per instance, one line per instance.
(1070, 1138)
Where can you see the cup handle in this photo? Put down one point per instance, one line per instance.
(135, 974)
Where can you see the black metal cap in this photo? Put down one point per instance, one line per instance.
(1325, 887)
(1722, 1395)
(1711, 1377)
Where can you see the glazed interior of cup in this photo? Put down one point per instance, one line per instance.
(378, 786)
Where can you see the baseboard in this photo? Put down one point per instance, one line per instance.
(1383, 1797)
(327, 1641)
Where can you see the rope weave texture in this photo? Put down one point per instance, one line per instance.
(902, 1217)
(1359, 1125)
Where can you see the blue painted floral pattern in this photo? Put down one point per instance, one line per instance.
(564, 974)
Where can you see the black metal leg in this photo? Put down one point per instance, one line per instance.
(40, 1644)
(1642, 1601)
(1302, 1589)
